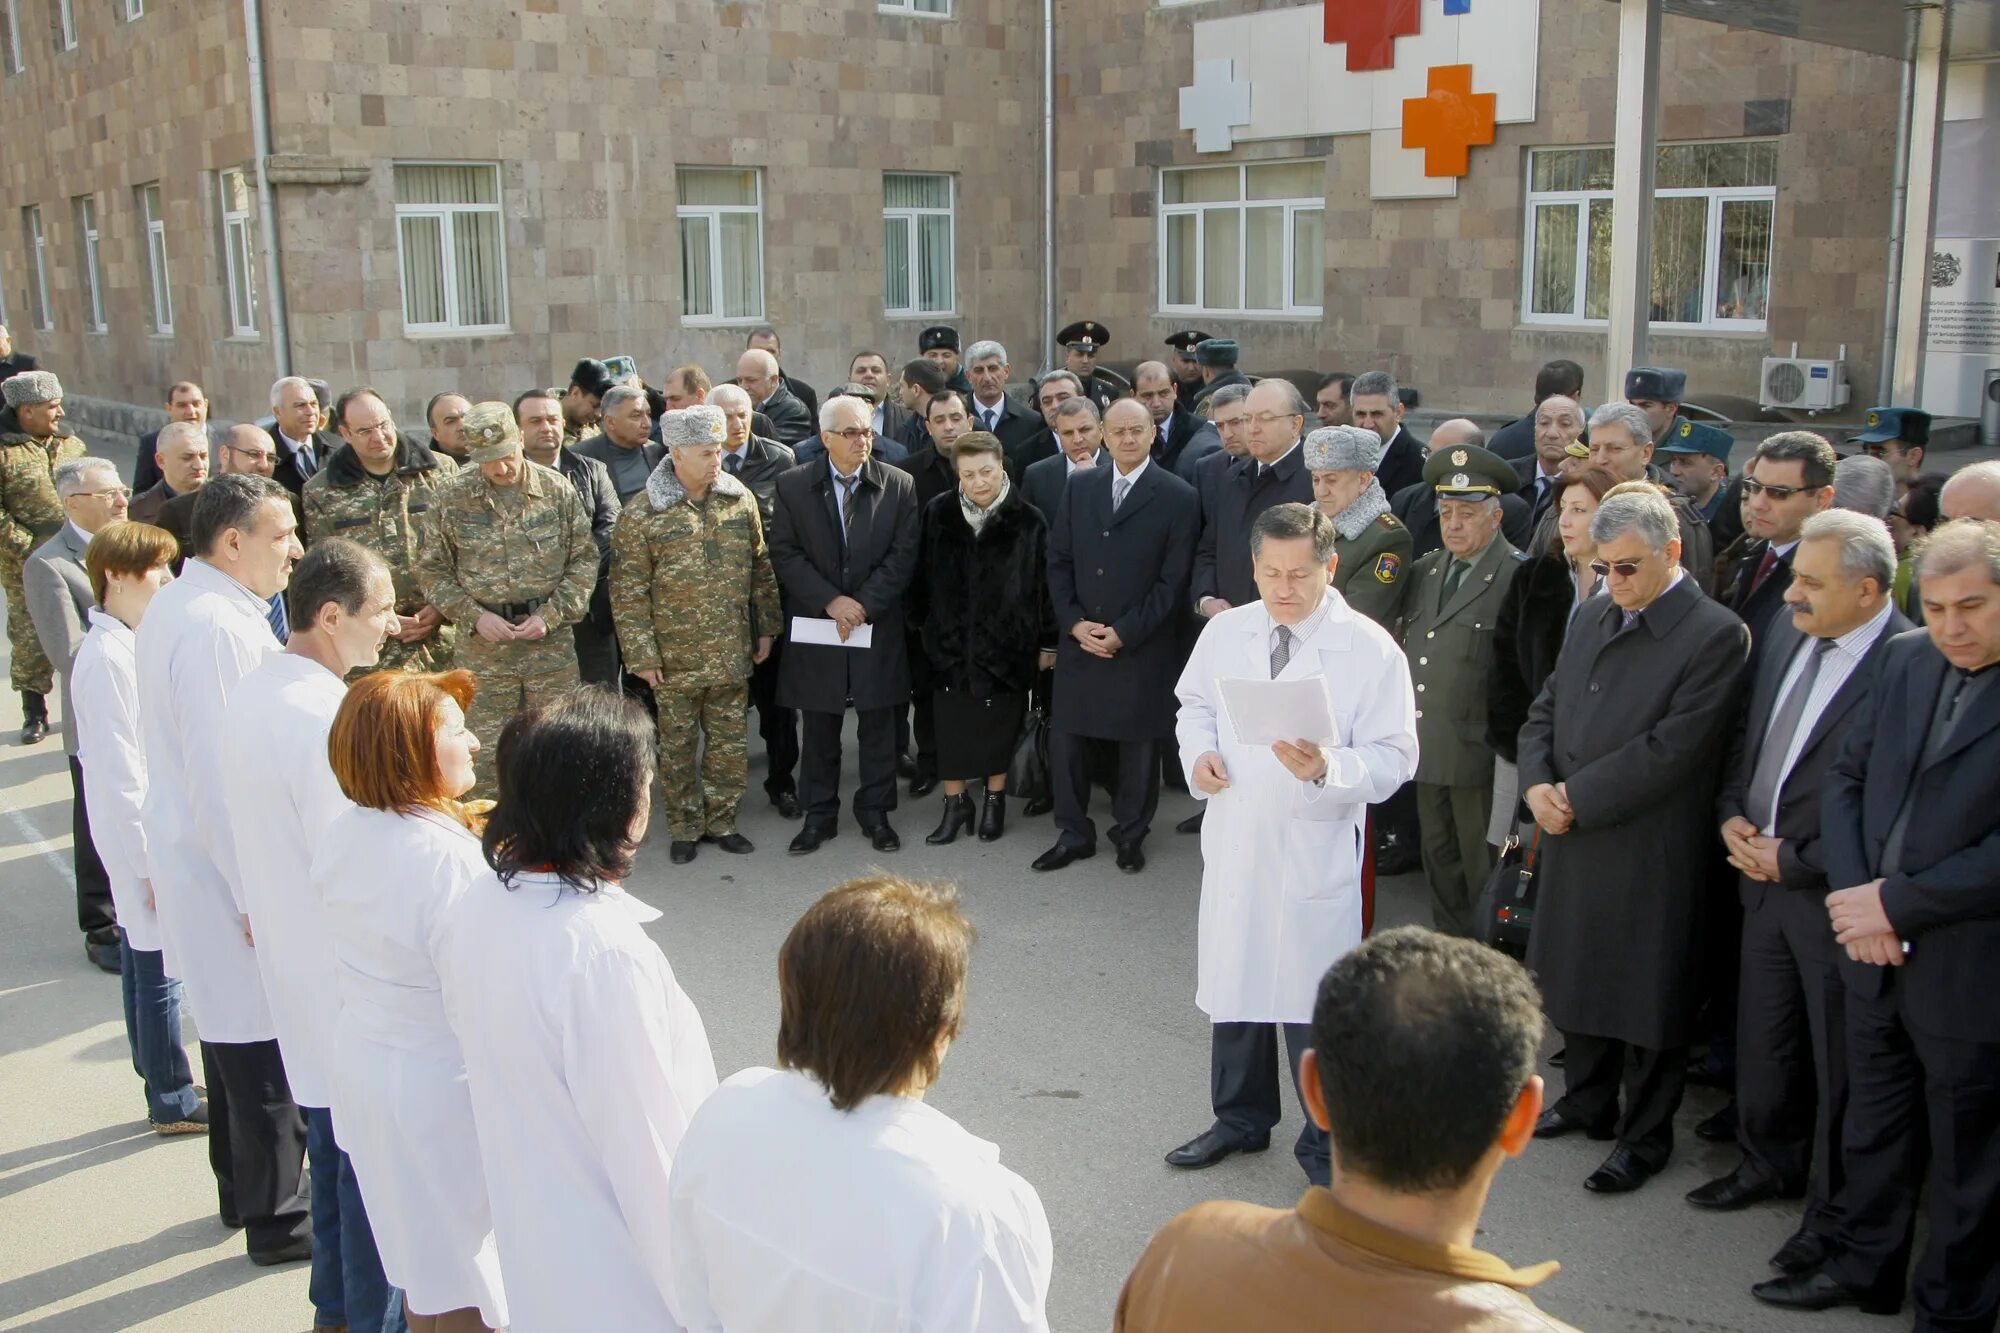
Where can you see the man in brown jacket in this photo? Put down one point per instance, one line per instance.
(1411, 1030)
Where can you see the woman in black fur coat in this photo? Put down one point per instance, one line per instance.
(981, 597)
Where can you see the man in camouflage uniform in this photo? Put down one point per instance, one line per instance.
(696, 604)
(378, 490)
(1374, 547)
(508, 556)
(32, 442)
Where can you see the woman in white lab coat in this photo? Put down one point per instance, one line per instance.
(127, 564)
(827, 1196)
(585, 1057)
(388, 872)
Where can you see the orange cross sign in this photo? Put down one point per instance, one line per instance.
(1448, 120)
(1370, 29)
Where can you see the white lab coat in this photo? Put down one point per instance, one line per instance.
(401, 1105)
(1281, 858)
(278, 783)
(586, 1060)
(203, 633)
(792, 1217)
(104, 691)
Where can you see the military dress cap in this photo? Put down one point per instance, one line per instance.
(322, 392)
(693, 425)
(1086, 335)
(936, 336)
(592, 376)
(1343, 449)
(490, 432)
(31, 386)
(1184, 342)
(1692, 437)
(1578, 448)
(1909, 424)
(1216, 352)
(1469, 472)
(1655, 384)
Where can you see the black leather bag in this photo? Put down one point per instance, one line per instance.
(1506, 911)
(1028, 771)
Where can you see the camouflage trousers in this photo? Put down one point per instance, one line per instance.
(511, 677)
(27, 666)
(704, 758)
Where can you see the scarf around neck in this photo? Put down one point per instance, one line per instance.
(975, 517)
(1370, 505)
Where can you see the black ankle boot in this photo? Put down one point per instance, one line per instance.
(957, 818)
(34, 717)
(992, 816)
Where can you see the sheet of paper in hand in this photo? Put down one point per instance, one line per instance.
(1264, 712)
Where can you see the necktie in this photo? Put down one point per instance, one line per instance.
(281, 627)
(846, 485)
(1163, 437)
(989, 416)
(1120, 487)
(1784, 729)
(1764, 568)
(1454, 575)
(734, 462)
(1631, 619)
(1281, 654)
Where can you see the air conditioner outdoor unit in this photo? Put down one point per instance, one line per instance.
(1803, 384)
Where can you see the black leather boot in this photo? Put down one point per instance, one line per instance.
(956, 819)
(992, 816)
(34, 718)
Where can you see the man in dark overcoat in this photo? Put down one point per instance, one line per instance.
(844, 544)
(1619, 763)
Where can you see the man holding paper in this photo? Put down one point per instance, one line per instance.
(1282, 844)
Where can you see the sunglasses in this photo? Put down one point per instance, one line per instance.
(1625, 569)
(1780, 493)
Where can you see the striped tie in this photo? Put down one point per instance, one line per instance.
(280, 625)
(1282, 654)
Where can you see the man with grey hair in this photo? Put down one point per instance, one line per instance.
(1619, 762)
(1816, 666)
(624, 442)
(1375, 402)
(1371, 544)
(12, 362)
(183, 451)
(765, 337)
(1864, 485)
(1080, 433)
(1417, 505)
(1273, 473)
(303, 447)
(32, 445)
(1972, 492)
(989, 407)
(1621, 443)
(757, 371)
(185, 402)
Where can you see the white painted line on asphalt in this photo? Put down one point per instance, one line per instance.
(35, 842)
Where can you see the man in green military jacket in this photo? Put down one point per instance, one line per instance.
(32, 442)
(1372, 544)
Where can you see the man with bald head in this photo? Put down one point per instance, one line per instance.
(1972, 492)
(183, 454)
(1557, 424)
(246, 449)
(1180, 438)
(1417, 505)
(757, 371)
(185, 402)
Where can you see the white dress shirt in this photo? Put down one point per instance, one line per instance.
(104, 685)
(1834, 669)
(981, 410)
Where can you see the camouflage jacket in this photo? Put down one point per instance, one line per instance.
(30, 513)
(487, 547)
(691, 584)
(385, 514)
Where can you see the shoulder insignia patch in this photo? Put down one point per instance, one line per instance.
(1520, 555)
(1387, 568)
(1390, 521)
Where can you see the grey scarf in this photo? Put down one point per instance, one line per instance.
(975, 517)
(1370, 505)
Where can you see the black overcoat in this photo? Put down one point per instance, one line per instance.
(982, 600)
(1527, 636)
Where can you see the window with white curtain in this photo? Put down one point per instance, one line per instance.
(1243, 240)
(154, 216)
(35, 241)
(934, 8)
(134, 10)
(1713, 208)
(917, 244)
(11, 32)
(66, 23)
(239, 254)
(721, 214)
(454, 255)
(93, 269)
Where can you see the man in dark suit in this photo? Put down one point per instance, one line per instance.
(1417, 506)
(184, 459)
(1273, 473)
(247, 449)
(185, 402)
(1558, 424)
(1217, 359)
(1048, 393)
(1180, 438)
(1817, 663)
(1788, 481)
(1556, 379)
(991, 409)
(1377, 403)
(1120, 552)
(932, 473)
(1911, 838)
(624, 442)
(766, 339)
(303, 447)
(844, 537)
(11, 361)
(1082, 438)
(914, 386)
(757, 371)
(872, 369)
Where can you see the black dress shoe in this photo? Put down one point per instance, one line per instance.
(1192, 824)
(906, 766)
(1805, 1251)
(992, 816)
(1718, 1128)
(1131, 858)
(1211, 1146)
(1817, 1291)
(679, 852)
(788, 804)
(883, 838)
(924, 783)
(1556, 1122)
(1060, 855)
(811, 836)
(1041, 805)
(957, 818)
(1746, 1185)
(294, 1252)
(35, 731)
(1623, 1171)
(104, 953)
(735, 844)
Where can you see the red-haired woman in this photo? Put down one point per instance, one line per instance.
(389, 870)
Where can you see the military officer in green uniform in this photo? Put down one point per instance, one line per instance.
(1081, 342)
(1450, 603)
(378, 490)
(508, 556)
(1372, 545)
(1187, 371)
(32, 442)
(696, 604)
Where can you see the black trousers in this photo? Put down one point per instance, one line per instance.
(1654, 1081)
(596, 653)
(256, 1143)
(1243, 1087)
(779, 727)
(1135, 790)
(95, 916)
(919, 716)
(1907, 1087)
(819, 765)
(1791, 1051)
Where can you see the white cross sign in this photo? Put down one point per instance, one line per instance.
(1213, 104)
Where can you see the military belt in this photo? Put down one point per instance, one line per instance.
(514, 610)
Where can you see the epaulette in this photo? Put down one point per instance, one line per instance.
(1390, 521)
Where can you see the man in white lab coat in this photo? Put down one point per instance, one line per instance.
(343, 605)
(1282, 843)
(203, 634)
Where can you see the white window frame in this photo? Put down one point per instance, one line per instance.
(15, 63)
(1240, 205)
(238, 235)
(909, 216)
(134, 10)
(714, 213)
(37, 240)
(910, 8)
(90, 252)
(1718, 198)
(447, 215)
(153, 216)
(66, 24)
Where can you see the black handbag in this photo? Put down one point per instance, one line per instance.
(1506, 911)
(1028, 770)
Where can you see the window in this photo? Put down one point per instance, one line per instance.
(38, 259)
(1243, 240)
(722, 243)
(66, 23)
(93, 273)
(916, 244)
(11, 31)
(1712, 214)
(454, 257)
(156, 257)
(134, 10)
(937, 8)
(239, 254)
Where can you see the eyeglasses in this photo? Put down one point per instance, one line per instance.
(1273, 418)
(854, 434)
(1625, 569)
(124, 492)
(261, 455)
(1779, 493)
(376, 431)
